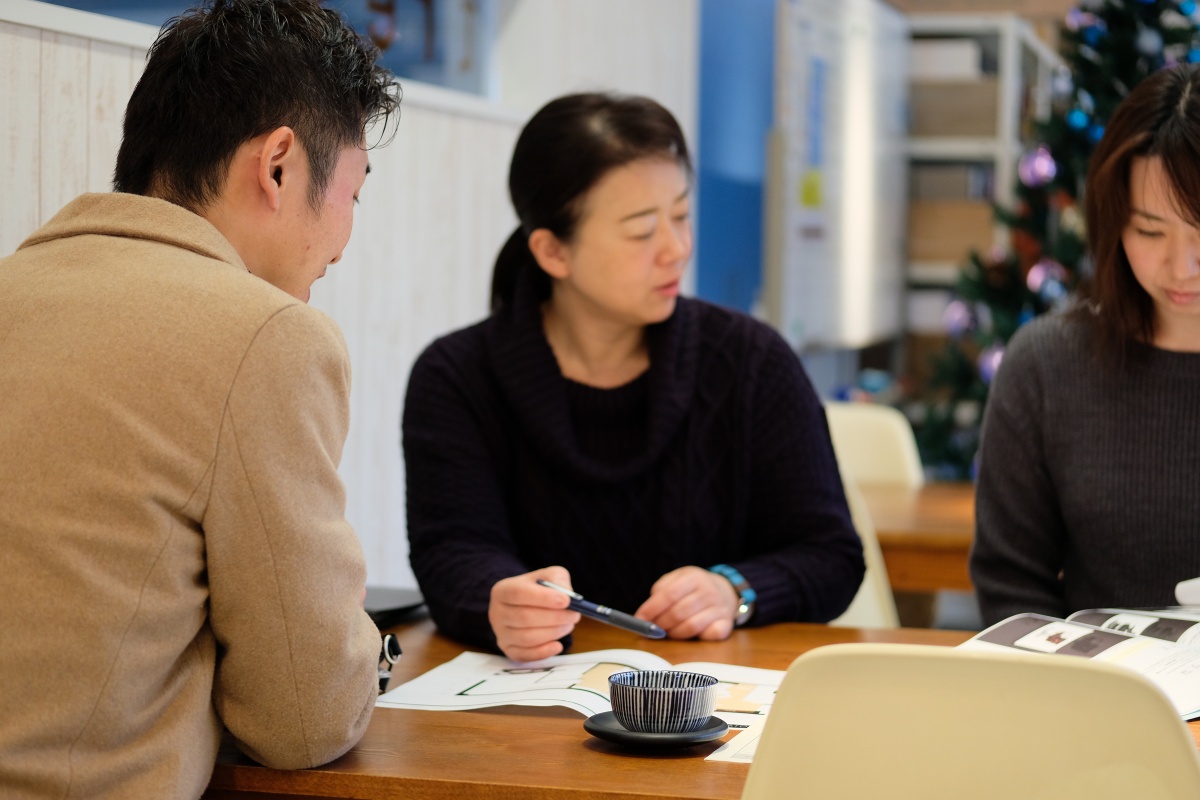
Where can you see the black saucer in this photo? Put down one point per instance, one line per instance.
(605, 726)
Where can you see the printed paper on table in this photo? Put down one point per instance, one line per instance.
(578, 681)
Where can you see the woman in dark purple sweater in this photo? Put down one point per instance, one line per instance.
(661, 455)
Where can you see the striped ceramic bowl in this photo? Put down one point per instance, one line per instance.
(662, 701)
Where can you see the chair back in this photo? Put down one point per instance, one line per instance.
(873, 606)
(874, 443)
(914, 721)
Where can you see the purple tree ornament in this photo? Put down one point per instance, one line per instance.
(1037, 167)
(989, 361)
(1044, 270)
(958, 318)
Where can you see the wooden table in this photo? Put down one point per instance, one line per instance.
(525, 752)
(535, 753)
(925, 534)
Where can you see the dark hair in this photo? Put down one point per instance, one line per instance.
(1160, 117)
(562, 152)
(230, 70)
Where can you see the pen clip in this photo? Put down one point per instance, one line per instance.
(569, 593)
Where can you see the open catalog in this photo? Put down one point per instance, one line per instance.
(578, 681)
(1160, 644)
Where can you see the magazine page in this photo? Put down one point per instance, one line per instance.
(578, 681)
(1175, 624)
(1175, 669)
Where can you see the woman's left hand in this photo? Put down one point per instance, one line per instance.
(691, 602)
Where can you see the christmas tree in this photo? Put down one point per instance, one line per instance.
(1108, 46)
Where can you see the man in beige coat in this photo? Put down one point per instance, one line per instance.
(174, 556)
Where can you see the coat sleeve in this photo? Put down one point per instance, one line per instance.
(296, 673)
(804, 558)
(458, 523)
(1020, 536)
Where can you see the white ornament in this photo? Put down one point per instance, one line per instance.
(1062, 84)
(966, 413)
(1072, 221)
(1149, 42)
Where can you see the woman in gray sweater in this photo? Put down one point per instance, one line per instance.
(1089, 478)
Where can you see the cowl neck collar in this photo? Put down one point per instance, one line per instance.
(530, 379)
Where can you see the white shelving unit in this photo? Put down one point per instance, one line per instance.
(1018, 67)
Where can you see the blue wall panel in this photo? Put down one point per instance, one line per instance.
(737, 66)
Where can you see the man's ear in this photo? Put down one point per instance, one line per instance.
(550, 253)
(277, 159)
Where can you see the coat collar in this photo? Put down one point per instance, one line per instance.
(137, 217)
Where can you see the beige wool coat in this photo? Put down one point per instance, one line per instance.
(173, 548)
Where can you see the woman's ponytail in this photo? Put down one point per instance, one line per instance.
(513, 257)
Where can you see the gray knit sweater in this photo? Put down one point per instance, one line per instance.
(1089, 478)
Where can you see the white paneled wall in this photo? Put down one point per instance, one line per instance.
(433, 213)
(550, 47)
(62, 97)
(434, 210)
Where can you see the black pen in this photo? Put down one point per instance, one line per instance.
(606, 614)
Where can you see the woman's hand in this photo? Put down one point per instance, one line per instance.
(529, 619)
(692, 602)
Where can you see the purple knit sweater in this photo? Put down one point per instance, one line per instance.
(719, 453)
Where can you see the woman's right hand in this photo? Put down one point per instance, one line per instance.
(529, 619)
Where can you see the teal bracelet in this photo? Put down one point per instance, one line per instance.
(746, 595)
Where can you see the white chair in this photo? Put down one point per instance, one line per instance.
(873, 605)
(874, 443)
(914, 721)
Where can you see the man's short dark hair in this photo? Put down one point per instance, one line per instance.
(230, 70)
